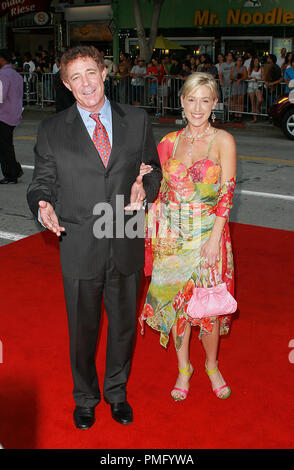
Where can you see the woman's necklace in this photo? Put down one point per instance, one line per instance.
(191, 138)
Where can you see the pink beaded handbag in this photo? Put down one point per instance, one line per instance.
(211, 301)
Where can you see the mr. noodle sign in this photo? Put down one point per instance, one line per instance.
(238, 17)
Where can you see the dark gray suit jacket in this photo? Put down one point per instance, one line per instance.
(71, 176)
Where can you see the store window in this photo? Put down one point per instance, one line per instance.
(262, 45)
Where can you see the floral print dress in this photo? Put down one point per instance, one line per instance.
(179, 222)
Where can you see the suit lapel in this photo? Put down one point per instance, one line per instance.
(118, 133)
(80, 136)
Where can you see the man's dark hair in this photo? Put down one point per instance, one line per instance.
(273, 57)
(5, 54)
(28, 55)
(77, 52)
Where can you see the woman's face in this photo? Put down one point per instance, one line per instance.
(198, 105)
(256, 62)
(239, 62)
(220, 58)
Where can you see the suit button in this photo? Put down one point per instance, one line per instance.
(106, 175)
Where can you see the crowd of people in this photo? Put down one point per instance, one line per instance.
(250, 81)
(238, 76)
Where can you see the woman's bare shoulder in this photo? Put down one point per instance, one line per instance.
(223, 137)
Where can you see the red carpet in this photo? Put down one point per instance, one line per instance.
(36, 402)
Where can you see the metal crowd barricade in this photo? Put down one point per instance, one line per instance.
(31, 87)
(47, 89)
(255, 100)
(170, 93)
(139, 91)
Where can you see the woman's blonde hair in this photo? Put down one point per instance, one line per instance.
(198, 79)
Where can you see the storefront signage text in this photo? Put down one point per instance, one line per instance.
(16, 8)
(237, 17)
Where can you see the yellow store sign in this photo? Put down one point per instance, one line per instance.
(238, 17)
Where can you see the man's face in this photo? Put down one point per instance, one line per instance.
(86, 81)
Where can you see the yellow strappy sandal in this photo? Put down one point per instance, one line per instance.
(217, 390)
(185, 372)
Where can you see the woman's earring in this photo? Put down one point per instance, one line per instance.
(213, 117)
(184, 116)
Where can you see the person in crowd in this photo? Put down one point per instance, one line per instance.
(210, 68)
(289, 76)
(249, 57)
(138, 74)
(199, 175)
(124, 70)
(281, 58)
(238, 90)
(28, 66)
(287, 62)
(39, 70)
(16, 61)
(203, 57)
(155, 71)
(225, 75)
(56, 65)
(166, 63)
(272, 77)
(11, 84)
(176, 67)
(220, 61)
(194, 64)
(186, 70)
(255, 86)
(45, 60)
(76, 152)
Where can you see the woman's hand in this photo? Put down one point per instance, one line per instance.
(210, 252)
(145, 169)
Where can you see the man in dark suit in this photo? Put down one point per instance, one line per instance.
(88, 158)
(63, 96)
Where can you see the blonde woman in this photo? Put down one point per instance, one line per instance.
(193, 240)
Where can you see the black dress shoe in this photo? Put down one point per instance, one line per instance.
(84, 417)
(122, 412)
(8, 181)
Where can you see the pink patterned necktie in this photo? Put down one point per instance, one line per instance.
(101, 139)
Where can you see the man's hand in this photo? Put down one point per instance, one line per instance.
(49, 218)
(137, 195)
